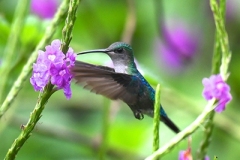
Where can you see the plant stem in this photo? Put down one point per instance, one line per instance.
(130, 24)
(156, 119)
(43, 96)
(9, 54)
(221, 46)
(186, 132)
(216, 62)
(105, 130)
(70, 20)
(27, 129)
(202, 151)
(222, 36)
(28, 66)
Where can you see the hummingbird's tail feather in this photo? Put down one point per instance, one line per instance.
(170, 124)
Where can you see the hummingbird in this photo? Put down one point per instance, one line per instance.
(123, 82)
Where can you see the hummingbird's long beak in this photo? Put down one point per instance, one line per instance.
(94, 51)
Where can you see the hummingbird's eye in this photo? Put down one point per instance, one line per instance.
(119, 50)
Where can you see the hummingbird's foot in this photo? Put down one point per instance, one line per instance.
(138, 115)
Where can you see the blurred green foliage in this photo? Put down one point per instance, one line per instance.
(71, 129)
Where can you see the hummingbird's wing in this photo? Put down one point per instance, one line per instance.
(105, 81)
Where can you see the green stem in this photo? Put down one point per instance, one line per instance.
(156, 119)
(28, 66)
(105, 130)
(73, 136)
(67, 29)
(159, 16)
(130, 24)
(222, 36)
(223, 9)
(9, 54)
(216, 62)
(202, 151)
(43, 96)
(221, 45)
(27, 129)
(186, 132)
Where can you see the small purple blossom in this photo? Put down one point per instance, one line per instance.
(45, 9)
(215, 87)
(179, 45)
(185, 155)
(206, 158)
(52, 65)
(70, 57)
(232, 9)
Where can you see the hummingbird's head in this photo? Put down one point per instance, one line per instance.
(120, 51)
(121, 55)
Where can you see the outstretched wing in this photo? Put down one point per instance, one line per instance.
(105, 81)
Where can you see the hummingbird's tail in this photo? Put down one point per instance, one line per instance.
(170, 124)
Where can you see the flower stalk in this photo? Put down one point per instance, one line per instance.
(220, 63)
(28, 66)
(10, 50)
(185, 133)
(27, 129)
(156, 119)
(42, 99)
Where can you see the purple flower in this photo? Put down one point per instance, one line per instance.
(232, 9)
(40, 76)
(70, 57)
(61, 77)
(179, 45)
(215, 87)
(45, 9)
(52, 65)
(185, 155)
(206, 158)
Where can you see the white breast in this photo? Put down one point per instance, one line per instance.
(121, 69)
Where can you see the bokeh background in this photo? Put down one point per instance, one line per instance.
(173, 45)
